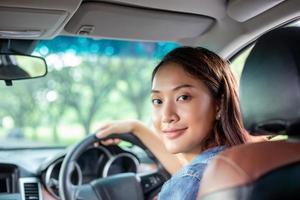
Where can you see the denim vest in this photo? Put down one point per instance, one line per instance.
(185, 183)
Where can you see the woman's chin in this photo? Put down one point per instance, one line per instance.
(173, 148)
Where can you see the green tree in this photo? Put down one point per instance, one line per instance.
(21, 103)
(84, 89)
(136, 87)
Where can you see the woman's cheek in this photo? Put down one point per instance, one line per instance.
(185, 110)
(156, 119)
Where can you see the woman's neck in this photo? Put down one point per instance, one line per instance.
(187, 157)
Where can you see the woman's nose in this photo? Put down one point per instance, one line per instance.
(169, 113)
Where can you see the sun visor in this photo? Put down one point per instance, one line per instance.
(34, 19)
(244, 10)
(124, 22)
(29, 23)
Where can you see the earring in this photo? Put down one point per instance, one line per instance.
(218, 116)
(219, 109)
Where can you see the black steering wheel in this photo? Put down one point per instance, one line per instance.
(117, 187)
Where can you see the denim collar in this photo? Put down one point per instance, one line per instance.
(207, 155)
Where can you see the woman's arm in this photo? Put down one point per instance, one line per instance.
(151, 140)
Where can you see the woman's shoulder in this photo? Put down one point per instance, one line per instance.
(187, 180)
(207, 155)
(184, 184)
(197, 166)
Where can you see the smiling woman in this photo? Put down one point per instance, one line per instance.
(93, 80)
(175, 94)
(195, 114)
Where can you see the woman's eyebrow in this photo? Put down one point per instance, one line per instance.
(183, 86)
(176, 88)
(155, 91)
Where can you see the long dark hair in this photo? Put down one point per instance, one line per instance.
(215, 73)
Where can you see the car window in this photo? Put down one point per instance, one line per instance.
(89, 81)
(238, 60)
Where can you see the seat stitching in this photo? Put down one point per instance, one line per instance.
(234, 165)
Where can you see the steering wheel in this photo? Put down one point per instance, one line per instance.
(118, 187)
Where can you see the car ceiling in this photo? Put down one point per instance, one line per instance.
(224, 26)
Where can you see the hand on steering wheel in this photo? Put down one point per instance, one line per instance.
(116, 127)
(119, 187)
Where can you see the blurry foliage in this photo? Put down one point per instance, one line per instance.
(89, 81)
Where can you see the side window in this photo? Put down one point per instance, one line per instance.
(238, 62)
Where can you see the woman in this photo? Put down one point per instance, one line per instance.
(195, 115)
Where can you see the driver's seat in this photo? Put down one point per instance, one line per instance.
(270, 103)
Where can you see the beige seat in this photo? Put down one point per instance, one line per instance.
(270, 103)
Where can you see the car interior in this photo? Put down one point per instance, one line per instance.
(91, 61)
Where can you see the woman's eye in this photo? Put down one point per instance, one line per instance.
(183, 98)
(156, 101)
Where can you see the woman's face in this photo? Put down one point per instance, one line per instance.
(184, 110)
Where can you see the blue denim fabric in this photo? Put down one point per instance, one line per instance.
(185, 183)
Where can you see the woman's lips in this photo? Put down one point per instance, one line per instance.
(173, 133)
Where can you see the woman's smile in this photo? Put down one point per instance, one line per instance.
(173, 133)
(183, 109)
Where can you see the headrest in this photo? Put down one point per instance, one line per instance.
(270, 84)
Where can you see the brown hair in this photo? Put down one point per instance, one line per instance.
(215, 73)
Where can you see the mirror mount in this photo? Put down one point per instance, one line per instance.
(8, 82)
(11, 46)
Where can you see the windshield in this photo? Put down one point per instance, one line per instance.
(89, 82)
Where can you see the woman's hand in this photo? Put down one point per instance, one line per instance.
(115, 127)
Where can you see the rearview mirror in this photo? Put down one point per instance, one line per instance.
(16, 67)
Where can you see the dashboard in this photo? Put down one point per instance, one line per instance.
(34, 173)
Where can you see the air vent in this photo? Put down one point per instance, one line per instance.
(30, 189)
